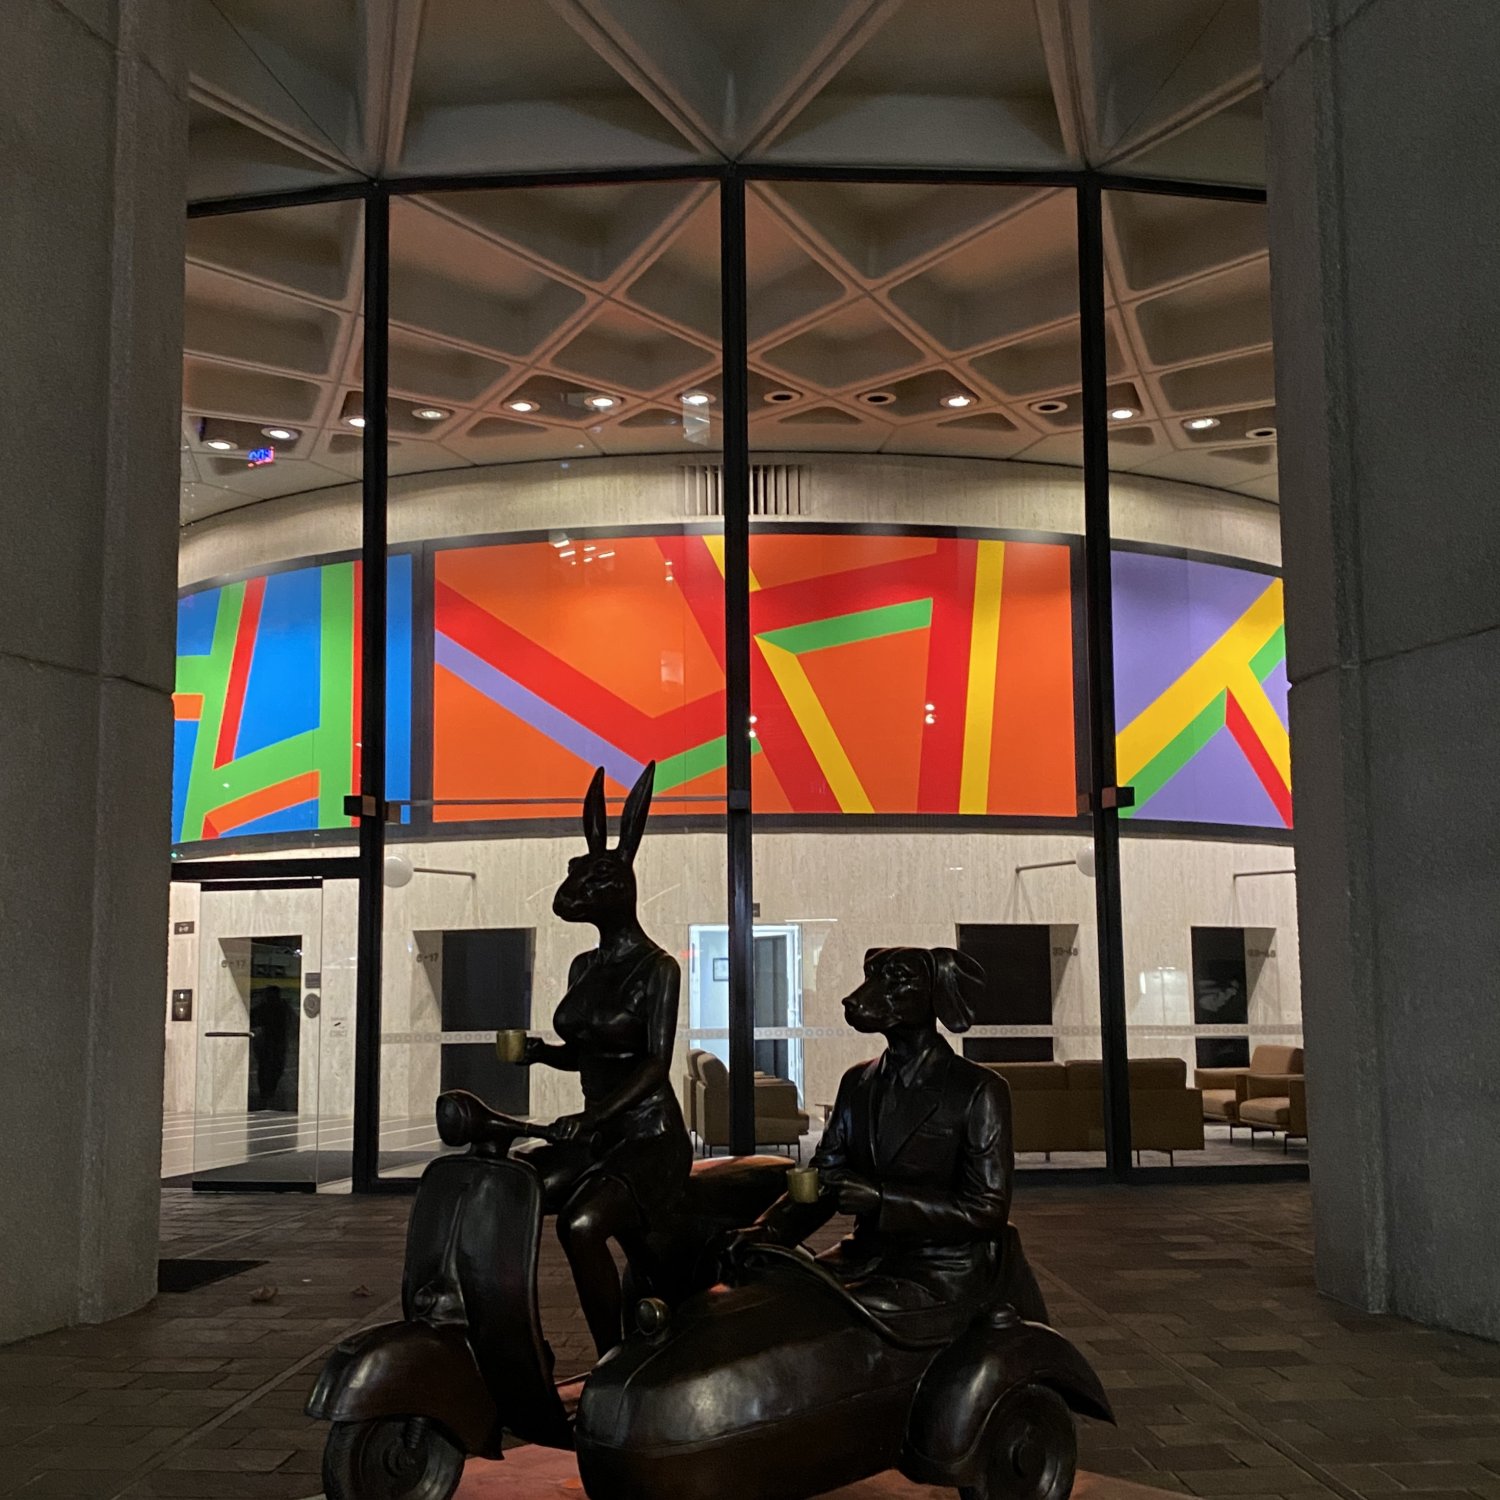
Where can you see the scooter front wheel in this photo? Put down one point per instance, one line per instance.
(394, 1458)
(1030, 1449)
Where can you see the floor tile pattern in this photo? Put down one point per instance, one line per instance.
(1230, 1375)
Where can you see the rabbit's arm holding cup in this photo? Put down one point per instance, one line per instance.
(564, 1055)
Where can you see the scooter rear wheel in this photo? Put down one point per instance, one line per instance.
(1030, 1448)
(392, 1459)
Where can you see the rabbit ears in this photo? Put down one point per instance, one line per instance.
(632, 820)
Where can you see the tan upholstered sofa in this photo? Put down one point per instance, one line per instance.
(1270, 1094)
(778, 1120)
(1059, 1106)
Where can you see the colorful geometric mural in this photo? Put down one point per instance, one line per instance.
(890, 674)
(268, 701)
(1201, 690)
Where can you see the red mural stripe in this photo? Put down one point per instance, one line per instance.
(239, 671)
(848, 592)
(948, 684)
(553, 679)
(261, 804)
(701, 585)
(1260, 762)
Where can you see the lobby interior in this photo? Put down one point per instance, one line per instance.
(958, 442)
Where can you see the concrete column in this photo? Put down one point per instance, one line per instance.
(1384, 152)
(92, 171)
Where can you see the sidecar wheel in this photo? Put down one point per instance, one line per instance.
(392, 1459)
(1031, 1449)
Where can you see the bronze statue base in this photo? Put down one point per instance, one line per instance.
(533, 1473)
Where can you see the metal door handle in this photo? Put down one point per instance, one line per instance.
(229, 1033)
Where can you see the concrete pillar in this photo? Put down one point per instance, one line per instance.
(1384, 153)
(92, 171)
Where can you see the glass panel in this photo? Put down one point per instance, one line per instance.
(555, 384)
(917, 616)
(1207, 868)
(268, 684)
(261, 1031)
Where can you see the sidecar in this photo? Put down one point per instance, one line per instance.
(783, 1387)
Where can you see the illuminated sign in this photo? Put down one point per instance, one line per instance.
(259, 456)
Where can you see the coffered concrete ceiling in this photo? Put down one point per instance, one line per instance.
(870, 306)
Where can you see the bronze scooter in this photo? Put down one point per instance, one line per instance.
(469, 1362)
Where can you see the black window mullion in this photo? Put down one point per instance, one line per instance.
(1099, 645)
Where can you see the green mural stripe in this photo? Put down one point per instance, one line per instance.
(700, 760)
(844, 630)
(1266, 660)
(268, 766)
(334, 755)
(1156, 773)
(210, 676)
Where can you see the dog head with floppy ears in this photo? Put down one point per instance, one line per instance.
(915, 988)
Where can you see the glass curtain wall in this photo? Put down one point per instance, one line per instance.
(919, 704)
(1208, 880)
(555, 416)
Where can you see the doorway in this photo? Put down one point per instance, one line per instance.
(486, 987)
(1018, 987)
(777, 993)
(259, 1031)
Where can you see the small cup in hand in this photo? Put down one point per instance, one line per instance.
(803, 1185)
(510, 1046)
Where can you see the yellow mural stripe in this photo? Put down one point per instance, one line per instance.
(1263, 719)
(984, 653)
(715, 545)
(822, 739)
(1155, 727)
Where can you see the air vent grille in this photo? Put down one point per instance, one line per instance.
(775, 490)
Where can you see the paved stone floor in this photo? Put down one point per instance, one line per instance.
(1231, 1377)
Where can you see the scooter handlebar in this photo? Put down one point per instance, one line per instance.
(464, 1120)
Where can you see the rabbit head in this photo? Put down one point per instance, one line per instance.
(600, 885)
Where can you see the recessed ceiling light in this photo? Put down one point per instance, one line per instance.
(1121, 413)
(1201, 424)
(958, 400)
(778, 398)
(280, 434)
(600, 403)
(1261, 432)
(521, 405)
(878, 398)
(696, 398)
(1050, 407)
(355, 421)
(222, 444)
(430, 413)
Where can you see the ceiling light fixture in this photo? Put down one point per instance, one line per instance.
(281, 434)
(430, 413)
(223, 445)
(1121, 413)
(1201, 424)
(879, 398)
(1050, 407)
(696, 398)
(779, 398)
(958, 400)
(1262, 433)
(355, 421)
(521, 405)
(600, 403)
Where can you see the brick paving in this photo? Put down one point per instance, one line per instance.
(1230, 1376)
